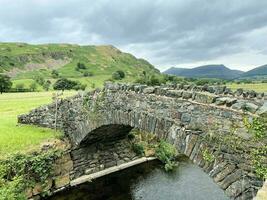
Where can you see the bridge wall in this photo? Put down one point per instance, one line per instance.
(200, 121)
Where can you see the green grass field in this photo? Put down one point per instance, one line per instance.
(14, 137)
(258, 87)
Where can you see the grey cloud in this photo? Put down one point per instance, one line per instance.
(163, 31)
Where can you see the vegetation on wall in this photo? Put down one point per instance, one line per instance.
(22, 171)
(147, 144)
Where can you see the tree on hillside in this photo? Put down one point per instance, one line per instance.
(46, 85)
(5, 83)
(55, 73)
(33, 86)
(118, 75)
(64, 84)
(80, 66)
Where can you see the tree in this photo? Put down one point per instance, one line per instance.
(86, 74)
(39, 79)
(80, 66)
(64, 84)
(33, 86)
(54, 73)
(118, 75)
(5, 83)
(46, 85)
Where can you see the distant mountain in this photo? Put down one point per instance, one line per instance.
(256, 72)
(206, 71)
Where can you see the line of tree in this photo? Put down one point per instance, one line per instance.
(66, 84)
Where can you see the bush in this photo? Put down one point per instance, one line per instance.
(33, 86)
(79, 86)
(64, 84)
(86, 74)
(80, 66)
(39, 79)
(22, 171)
(46, 85)
(139, 149)
(118, 75)
(5, 83)
(55, 74)
(166, 153)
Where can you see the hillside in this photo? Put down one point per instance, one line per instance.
(24, 61)
(206, 71)
(256, 72)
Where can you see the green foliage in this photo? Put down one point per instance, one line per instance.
(64, 84)
(5, 83)
(55, 73)
(80, 66)
(118, 75)
(152, 80)
(139, 148)
(166, 153)
(33, 86)
(46, 85)
(21, 171)
(208, 156)
(259, 161)
(39, 79)
(256, 126)
(87, 74)
(19, 87)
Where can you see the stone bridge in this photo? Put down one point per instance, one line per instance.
(207, 124)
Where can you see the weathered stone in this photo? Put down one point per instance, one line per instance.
(250, 107)
(222, 174)
(149, 90)
(262, 111)
(187, 95)
(204, 98)
(62, 181)
(236, 188)
(230, 179)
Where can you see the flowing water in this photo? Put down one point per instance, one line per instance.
(148, 181)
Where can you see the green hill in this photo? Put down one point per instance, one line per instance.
(258, 72)
(23, 62)
(206, 71)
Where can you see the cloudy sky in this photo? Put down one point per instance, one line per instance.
(182, 33)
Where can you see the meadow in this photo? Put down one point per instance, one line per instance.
(17, 138)
(258, 87)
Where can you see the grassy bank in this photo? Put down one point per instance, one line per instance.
(13, 137)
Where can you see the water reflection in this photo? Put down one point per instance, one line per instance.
(149, 181)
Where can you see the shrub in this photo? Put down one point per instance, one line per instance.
(118, 75)
(86, 74)
(64, 84)
(55, 73)
(33, 86)
(166, 153)
(80, 66)
(5, 83)
(139, 148)
(46, 85)
(39, 79)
